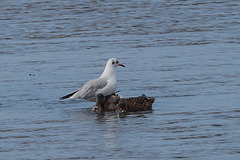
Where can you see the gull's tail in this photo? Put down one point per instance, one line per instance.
(67, 96)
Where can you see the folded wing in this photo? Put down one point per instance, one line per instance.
(88, 91)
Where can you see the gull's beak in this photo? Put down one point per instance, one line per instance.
(121, 65)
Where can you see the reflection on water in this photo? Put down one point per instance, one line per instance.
(183, 53)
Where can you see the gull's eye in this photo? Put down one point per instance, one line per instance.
(117, 62)
(113, 62)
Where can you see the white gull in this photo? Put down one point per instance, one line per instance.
(106, 84)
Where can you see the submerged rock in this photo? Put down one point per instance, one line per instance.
(116, 103)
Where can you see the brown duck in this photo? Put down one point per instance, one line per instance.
(116, 103)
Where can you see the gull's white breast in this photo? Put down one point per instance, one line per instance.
(110, 88)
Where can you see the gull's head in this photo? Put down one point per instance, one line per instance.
(114, 62)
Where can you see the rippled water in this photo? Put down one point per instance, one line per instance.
(184, 53)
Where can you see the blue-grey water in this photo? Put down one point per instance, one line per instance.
(186, 54)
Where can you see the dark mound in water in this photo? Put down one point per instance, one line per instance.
(116, 103)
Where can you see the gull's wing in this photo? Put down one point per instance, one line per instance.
(68, 96)
(88, 90)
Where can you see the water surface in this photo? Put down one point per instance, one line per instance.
(184, 53)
